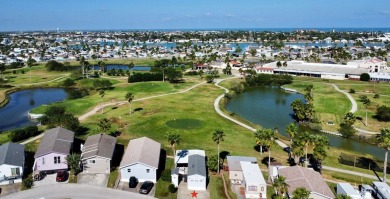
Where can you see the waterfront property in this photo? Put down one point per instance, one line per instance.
(51, 154)
(191, 167)
(11, 163)
(97, 153)
(141, 160)
(309, 179)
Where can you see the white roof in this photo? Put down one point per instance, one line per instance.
(182, 155)
(252, 173)
(348, 189)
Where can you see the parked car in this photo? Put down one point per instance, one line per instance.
(146, 187)
(62, 176)
(133, 182)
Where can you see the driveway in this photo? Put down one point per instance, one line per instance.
(96, 179)
(184, 193)
(124, 186)
(238, 190)
(70, 190)
(49, 179)
(9, 188)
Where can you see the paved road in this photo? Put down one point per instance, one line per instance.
(74, 191)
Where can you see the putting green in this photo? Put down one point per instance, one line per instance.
(184, 123)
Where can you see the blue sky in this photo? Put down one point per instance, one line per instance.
(22, 15)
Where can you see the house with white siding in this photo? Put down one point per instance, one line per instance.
(11, 163)
(141, 160)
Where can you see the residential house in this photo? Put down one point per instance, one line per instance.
(196, 177)
(97, 153)
(309, 179)
(55, 145)
(141, 160)
(191, 167)
(11, 163)
(235, 171)
(254, 182)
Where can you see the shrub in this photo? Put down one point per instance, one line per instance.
(166, 175)
(24, 133)
(27, 182)
(77, 93)
(57, 66)
(22, 71)
(365, 77)
(376, 96)
(68, 82)
(172, 188)
(383, 113)
(352, 90)
(192, 73)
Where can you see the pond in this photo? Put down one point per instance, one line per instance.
(123, 67)
(270, 108)
(15, 113)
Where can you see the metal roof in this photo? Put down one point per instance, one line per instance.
(234, 162)
(196, 165)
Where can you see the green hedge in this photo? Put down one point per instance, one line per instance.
(24, 133)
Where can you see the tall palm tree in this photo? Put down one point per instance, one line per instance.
(265, 137)
(307, 140)
(82, 62)
(73, 160)
(280, 185)
(129, 97)
(367, 103)
(174, 140)
(101, 93)
(383, 140)
(218, 136)
(301, 193)
(292, 131)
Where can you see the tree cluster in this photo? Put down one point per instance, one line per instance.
(56, 116)
(145, 77)
(304, 111)
(24, 133)
(119, 72)
(101, 84)
(268, 80)
(346, 127)
(57, 66)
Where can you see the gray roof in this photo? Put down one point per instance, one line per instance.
(142, 150)
(234, 162)
(56, 140)
(12, 154)
(196, 165)
(309, 179)
(101, 145)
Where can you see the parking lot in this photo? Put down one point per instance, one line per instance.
(124, 186)
(96, 179)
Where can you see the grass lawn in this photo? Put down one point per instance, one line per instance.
(112, 178)
(162, 190)
(216, 187)
(228, 187)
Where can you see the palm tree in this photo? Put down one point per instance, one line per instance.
(173, 139)
(73, 160)
(30, 63)
(129, 96)
(265, 137)
(82, 62)
(367, 103)
(101, 93)
(131, 65)
(104, 125)
(292, 131)
(301, 193)
(383, 140)
(280, 185)
(307, 140)
(218, 136)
